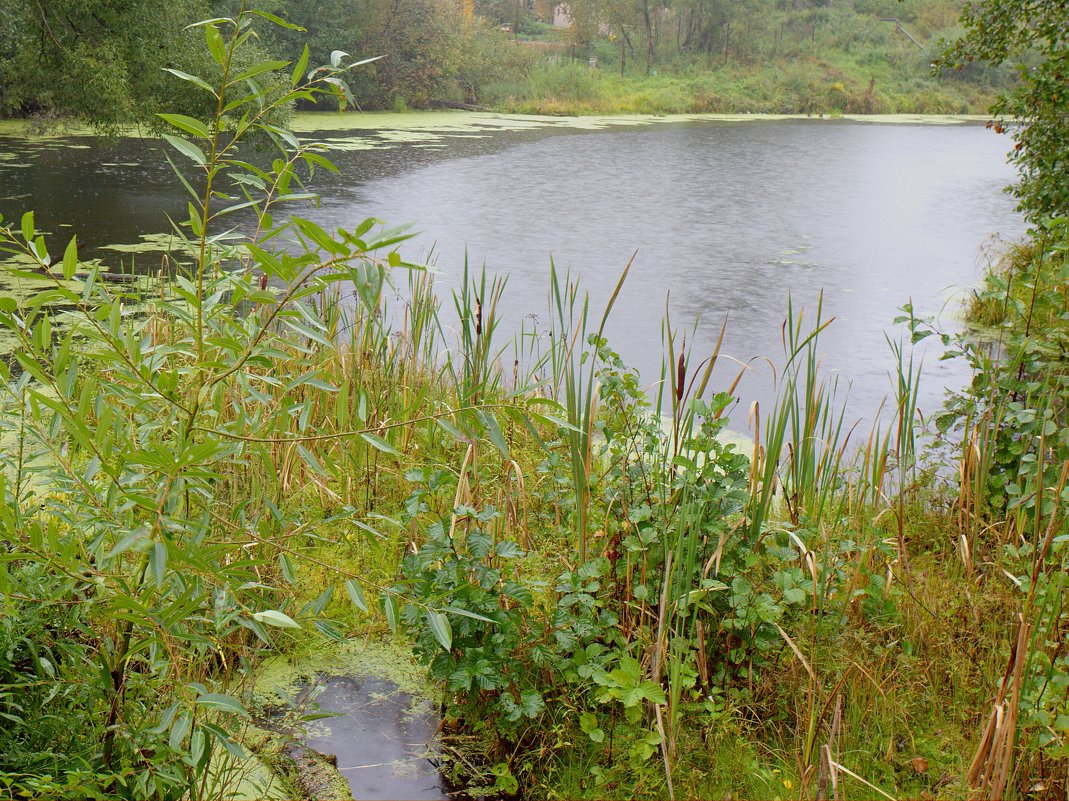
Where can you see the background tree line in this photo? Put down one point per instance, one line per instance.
(103, 60)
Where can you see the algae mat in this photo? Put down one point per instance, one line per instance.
(433, 129)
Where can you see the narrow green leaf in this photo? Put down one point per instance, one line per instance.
(320, 237)
(455, 610)
(311, 461)
(455, 432)
(440, 628)
(379, 443)
(193, 79)
(179, 731)
(70, 259)
(273, 617)
(493, 431)
(27, 226)
(277, 20)
(224, 703)
(300, 67)
(166, 720)
(286, 566)
(364, 61)
(257, 69)
(216, 45)
(187, 124)
(157, 562)
(187, 149)
(356, 595)
(390, 608)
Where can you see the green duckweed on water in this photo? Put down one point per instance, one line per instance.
(282, 677)
(383, 130)
(460, 122)
(149, 243)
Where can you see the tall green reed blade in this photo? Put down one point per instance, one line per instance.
(907, 388)
(794, 435)
(478, 373)
(574, 374)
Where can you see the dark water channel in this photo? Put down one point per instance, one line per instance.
(382, 739)
(727, 217)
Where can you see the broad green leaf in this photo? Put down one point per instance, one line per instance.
(508, 550)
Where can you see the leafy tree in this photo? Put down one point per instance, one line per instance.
(422, 44)
(100, 60)
(1035, 34)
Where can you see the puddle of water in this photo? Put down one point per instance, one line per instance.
(382, 738)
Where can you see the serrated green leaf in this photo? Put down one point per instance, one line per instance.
(508, 550)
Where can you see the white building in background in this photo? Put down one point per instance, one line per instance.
(556, 14)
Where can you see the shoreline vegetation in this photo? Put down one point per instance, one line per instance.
(312, 121)
(210, 475)
(870, 57)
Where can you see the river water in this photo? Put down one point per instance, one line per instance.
(727, 217)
